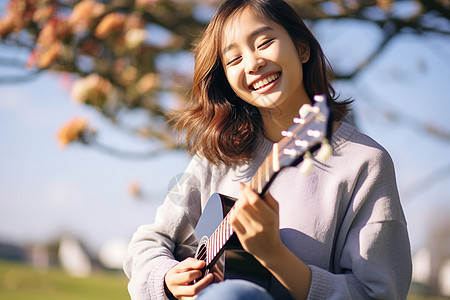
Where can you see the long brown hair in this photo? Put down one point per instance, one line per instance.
(218, 124)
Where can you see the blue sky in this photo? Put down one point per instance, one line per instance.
(45, 191)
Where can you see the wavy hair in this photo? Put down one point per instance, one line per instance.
(219, 125)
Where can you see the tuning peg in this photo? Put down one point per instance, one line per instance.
(304, 110)
(319, 98)
(287, 133)
(307, 163)
(302, 143)
(290, 152)
(299, 121)
(314, 133)
(325, 151)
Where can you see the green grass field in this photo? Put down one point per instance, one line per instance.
(22, 282)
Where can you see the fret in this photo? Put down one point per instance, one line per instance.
(226, 232)
(275, 158)
(229, 231)
(216, 244)
(209, 256)
(229, 228)
(219, 237)
(211, 249)
(208, 251)
(259, 181)
(222, 235)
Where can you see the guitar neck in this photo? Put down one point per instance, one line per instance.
(265, 174)
(218, 239)
(259, 183)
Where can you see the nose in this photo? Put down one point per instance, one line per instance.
(253, 63)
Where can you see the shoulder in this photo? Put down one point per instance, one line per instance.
(349, 134)
(368, 168)
(351, 143)
(243, 171)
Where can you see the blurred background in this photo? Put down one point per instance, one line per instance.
(86, 155)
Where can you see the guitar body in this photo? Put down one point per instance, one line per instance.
(232, 262)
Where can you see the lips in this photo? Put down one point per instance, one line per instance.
(262, 83)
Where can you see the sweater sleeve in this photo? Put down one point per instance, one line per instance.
(372, 258)
(155, 248)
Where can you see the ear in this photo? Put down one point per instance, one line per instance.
(303, 51)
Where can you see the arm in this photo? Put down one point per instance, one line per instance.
(156, 248)
(372, 255)
(256, 224)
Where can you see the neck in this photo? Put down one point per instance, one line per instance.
(275, 124)
(281, 117)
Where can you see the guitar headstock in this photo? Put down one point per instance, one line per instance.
(311, 132)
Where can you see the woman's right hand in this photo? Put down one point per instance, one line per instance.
(179, 279)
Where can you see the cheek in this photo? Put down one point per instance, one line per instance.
(233, 77)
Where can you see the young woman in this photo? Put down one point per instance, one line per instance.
(336, 233)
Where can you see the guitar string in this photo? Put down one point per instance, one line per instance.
(213, 241)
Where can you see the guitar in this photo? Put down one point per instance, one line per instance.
(219, 246)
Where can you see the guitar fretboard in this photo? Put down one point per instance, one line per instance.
(224, 231)
(268, 168)
(218, 239)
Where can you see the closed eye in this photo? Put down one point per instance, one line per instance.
(265, 43)
(233, 61)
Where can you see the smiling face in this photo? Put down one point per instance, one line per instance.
(262, 64)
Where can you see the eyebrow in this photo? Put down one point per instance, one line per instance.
(253, 34)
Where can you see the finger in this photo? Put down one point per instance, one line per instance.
(271, 202)
(237, 226)
(250, 214)
(243, 214)
(188, 264)
(256, 203)
(203, 283)
(185, 278)
(248, 203)
(194, 289)
(184, 272)
(251, 196)
(246, 225)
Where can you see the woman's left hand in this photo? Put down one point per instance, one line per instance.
(256, 223)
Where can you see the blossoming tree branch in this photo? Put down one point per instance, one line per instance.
(115, 53)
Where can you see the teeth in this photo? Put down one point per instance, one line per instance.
(265, 81)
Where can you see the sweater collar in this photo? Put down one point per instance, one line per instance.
(264, 147)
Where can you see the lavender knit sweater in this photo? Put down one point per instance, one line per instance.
(344, 220)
